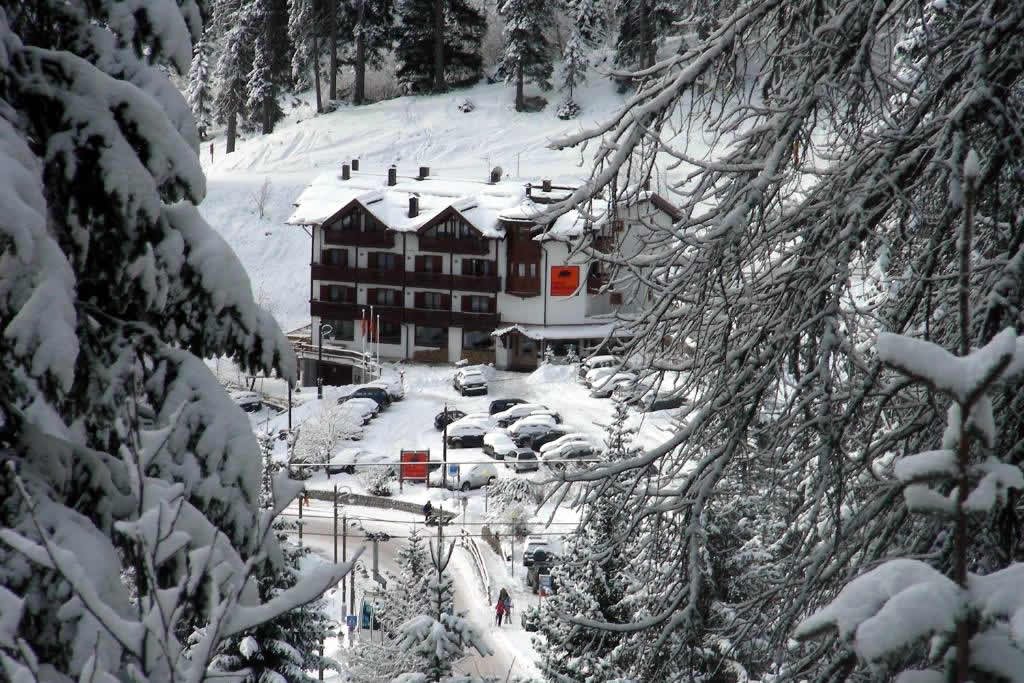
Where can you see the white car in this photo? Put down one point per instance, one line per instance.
(597, 374)
(595, 362)
(473, 477)
(574, 450)
(516, 412)
(366, 408)
(354, 458)
(522, 460)
(606, 385)
(530, 426)
(568, 438)
(470, 381)
(498, 443)
(481, 418)
(462, 434)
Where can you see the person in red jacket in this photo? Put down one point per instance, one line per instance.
(499, 610)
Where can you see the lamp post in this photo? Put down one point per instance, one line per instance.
(320, 358)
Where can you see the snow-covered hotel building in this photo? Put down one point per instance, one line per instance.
(455, 269)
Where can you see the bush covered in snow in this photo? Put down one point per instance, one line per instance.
(319, 437)
(379, 481)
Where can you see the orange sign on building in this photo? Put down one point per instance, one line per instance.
(565, 280)
(414, 466)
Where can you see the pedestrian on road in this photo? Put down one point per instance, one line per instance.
(428, 509)
(499, 610)
(508, 609)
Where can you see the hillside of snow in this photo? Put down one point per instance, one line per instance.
(407, 131)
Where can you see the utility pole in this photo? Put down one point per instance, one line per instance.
(289, 407)
(344, 554)
(301, 496)
(444, 456)
(335, 524)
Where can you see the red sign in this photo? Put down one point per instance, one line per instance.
(414, 465)
(565, 280)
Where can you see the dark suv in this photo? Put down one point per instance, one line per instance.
(376, 393)
(503, 404)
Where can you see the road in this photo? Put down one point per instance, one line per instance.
(468, 596)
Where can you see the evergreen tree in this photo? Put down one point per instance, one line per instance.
(305, 25)
(118, 533)
(284, 648)
(200, 94)
(526, 54)
(591, 579)
(462, 31)
(372, 30)
(407, 594)
(643, 24)
(262, 85)
(233, 68)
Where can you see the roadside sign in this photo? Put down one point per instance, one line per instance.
(545, 585)
(414, 466)
(453, 470)
(351, 621)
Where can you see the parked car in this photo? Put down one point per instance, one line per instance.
(249, 401)
(522, 431)
(605, 386)
(521, 410)
(350, 460)
(473, 477)
(571, 437)
(376, 393)
(661, 402)
(470, 381)
(522, 460)
(502, 404)
(555, 458)
(541, 440)
(534, 544)
(366, 408)
(597, 374)
(395, 389)
(463, 434)
(595, 362)
(447, 417)
(498, 443)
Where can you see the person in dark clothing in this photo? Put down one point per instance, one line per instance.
(499, 611)
(428, 510)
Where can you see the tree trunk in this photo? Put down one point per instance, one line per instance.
(316, 75)
(359, 86)
(520, 100)
(439, 85)
(332, 22)
(232, 124)
(268, 124)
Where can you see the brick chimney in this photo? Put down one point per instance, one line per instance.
(424, 172)
(414, 206)
(495, 175)
(355, 164)
(392, 176)
(345, 175)
(545, 185)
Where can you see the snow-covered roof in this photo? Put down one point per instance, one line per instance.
(479, 203)
(540, 332)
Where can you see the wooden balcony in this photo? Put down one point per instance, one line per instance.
(469, 283)
(325, 271)
(457, 246)
(595, 281)
(417, 316)
(352, 238)
(523, 286)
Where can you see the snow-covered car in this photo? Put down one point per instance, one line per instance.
(541, 440)
(464, 434)
(605, 386)
(533, 544)
(249, 401)
(597, 374)
(394, 387)
(470, 381)
(522, 460)
(521, 410)
(501, 404)
(366, 408)
(530, 426)
(378, 394)
(353, 459)
(571, 437)
(498, 443)
(595, 362)
(446, 417)
(574, 450)
(473, 477)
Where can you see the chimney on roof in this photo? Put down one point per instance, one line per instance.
(414, 206)
(355, 164)
(495, 175)
(392, 176)
(345, 175)
(545, 185)
(424, 172)
(529, 189)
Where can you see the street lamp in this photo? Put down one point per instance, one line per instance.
(320, 358)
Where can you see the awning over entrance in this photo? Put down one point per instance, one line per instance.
(555, 332)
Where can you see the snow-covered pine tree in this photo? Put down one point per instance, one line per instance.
(120, 533)
(372, 28)
(462, 31)
(233, 68)
(592, 579)
(574, 73)
(440, 637)
(285, 648)
(643, 24)
(526, 52)
(262, 84)
(200, 82)
(305, 26)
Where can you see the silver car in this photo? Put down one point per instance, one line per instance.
(522, 460)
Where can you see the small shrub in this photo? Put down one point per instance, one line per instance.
(378, 481)
(567, 109)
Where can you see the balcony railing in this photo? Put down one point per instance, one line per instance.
(375, 238)
(471, 283)
(458, 246)
(417, 316)
(326, 271)
(523, 286)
